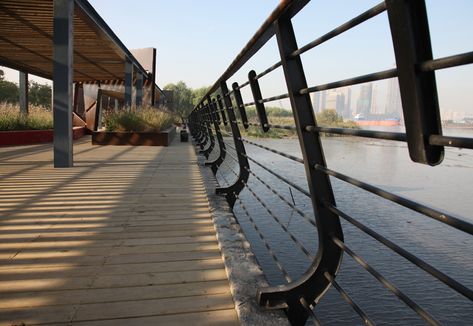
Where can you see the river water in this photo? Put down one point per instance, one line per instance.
(385, 164)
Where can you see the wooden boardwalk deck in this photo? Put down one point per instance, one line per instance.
(123, 238)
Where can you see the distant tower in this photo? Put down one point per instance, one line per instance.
(363, 105)
(323, 101)
(331, 100)
(393, 99)
(340, 106)
(347, 114)
(374, 104)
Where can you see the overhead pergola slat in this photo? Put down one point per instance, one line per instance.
(26, 42)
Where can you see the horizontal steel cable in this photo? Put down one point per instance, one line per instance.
(422, 209)
(274, 98)
(280, 177)
(349, 300)
(271, 213)
(342, 28)
(296, 159)
(447, 62)
(261, 236)
(266, 244)
(404, 298)
(404, 253)
(267, 71)
(391, 73)
(301, 213)
(310, 310)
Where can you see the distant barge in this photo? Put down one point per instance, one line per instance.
(384, 122)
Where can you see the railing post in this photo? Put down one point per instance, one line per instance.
(233, 190)
(221, 144)
(222, 110)
(313, 284)
(411, 42)
(202, 136)
(240, 105)
(207, 120)
(255, 89)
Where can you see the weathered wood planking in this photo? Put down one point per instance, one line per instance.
(123, 238)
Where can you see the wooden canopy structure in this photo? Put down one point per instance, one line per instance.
(26, 42)
(66, 41)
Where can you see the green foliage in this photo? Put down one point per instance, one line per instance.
(182, 98)
(40, 94)
(198, 94)
(278, 116)
(11, 119)
(330, 118)
(270, 112)
(9, 92)
(142, 120)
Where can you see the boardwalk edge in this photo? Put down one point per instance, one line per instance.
(243, 271)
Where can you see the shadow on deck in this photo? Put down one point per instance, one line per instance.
(123, 238)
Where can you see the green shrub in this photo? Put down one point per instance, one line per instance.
(142, 120)
(38, 118)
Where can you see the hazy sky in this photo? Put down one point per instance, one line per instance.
(196, 40)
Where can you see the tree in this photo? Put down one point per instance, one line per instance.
(198, 94)
(40, 94)
(182, 98)
(329, 117)
(9, 92)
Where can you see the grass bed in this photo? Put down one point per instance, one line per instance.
(141, 120)
(11, 119)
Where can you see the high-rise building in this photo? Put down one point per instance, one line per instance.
(331, 100)
(323, 100)
(340, 104)
(348, 103)
(363, 105)
(338, 99)
(393, 99)
(375, 109)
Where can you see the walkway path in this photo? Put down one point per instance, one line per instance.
(123, 238)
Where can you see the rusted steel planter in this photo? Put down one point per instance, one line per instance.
(29, 137)
(162, 138)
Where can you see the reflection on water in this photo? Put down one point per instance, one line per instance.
(387, 165)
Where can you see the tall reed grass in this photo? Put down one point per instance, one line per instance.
(146, 119)
(11, 119)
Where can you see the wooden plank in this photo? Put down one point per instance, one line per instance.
(217, 318)
(26, 273)
(115, 310)
(123, 238)
(73, 297)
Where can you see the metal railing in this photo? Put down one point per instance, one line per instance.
(415, 70)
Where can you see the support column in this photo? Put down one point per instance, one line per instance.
(128, 84)
(139, 90)
(62, 79)
(23, 93)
